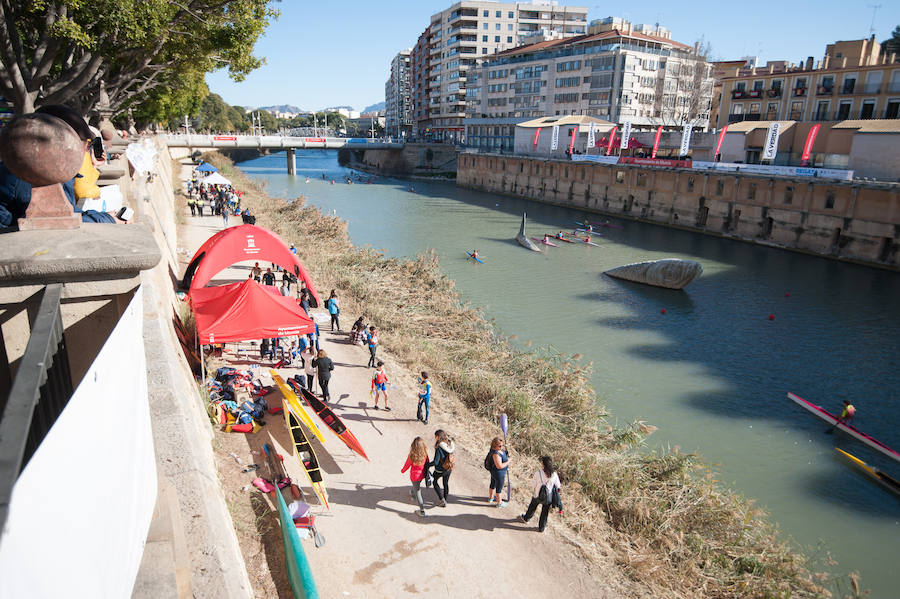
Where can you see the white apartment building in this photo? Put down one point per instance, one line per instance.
(617, 72)
(459, 37)
(397, 99)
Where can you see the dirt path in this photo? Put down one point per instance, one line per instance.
(376, 544)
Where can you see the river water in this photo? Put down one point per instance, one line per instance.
(711, 373)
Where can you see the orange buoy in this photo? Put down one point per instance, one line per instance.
(787, 295)
(771, 317)
(663, 311)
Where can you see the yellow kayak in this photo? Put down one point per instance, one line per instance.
(294, 402)
(306, 454)
(889, 483)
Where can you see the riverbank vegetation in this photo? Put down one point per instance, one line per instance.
(660, 516)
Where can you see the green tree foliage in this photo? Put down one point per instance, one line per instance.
(892, 44)
(216, 115)
(59, 51)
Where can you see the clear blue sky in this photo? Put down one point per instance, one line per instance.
(338, 53)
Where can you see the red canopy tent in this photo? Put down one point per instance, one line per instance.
(244, 311)
(237, 244)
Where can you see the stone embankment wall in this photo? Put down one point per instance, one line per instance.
(420, 160)
(844, 220)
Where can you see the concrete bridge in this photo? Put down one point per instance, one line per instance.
(277, 142)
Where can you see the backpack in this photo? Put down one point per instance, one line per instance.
(488, 462)
(543, 495)
(447, 463)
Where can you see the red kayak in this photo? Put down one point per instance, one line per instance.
(333, 422)
(555, 238)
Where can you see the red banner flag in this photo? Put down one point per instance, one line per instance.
(719, 143)
(808, 146)
(612, 137)
(537, 134)
(656, 141)
(573, 133)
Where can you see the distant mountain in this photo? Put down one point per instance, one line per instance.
(373, 108)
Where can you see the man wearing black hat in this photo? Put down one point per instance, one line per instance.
(15, 194)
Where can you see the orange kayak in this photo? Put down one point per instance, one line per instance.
(333, 422)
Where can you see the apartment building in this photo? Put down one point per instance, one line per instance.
(617, 72)
(854, 80)
(397, 97)
(456, 41)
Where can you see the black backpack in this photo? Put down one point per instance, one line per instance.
(488, 462)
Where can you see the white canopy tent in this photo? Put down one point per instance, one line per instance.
(215, 179)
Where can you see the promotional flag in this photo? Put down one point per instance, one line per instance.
(626, 135)
(554, 141)
(537, 134)
(686, 140)
(656, 141)
(810, 140)
(573, 134)
(719, 143)
(612, 138)
(592, 140)
(770, 148)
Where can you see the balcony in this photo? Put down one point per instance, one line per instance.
(824, 90)
(799, 91)
(796, 115)
(755, 93)
(774, 92)
(738, 94)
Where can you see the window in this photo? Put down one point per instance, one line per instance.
(509, 27)
(751, 191)
(788, 194)
(620, 176)
(771, 111)
(571, 65)
(829, 200)
(720, 187)
(737, 109)
(484, 26)
(801, 83)
(497, 26)
(484, 38)
(498, 14)
(690, 184)
(843, 112)
(868, 109)
(509, 39)
(893, 109)
(776, 84)
(568, 82)
(796, 110)
(486, 14)
(484, 50)
(565, 98)
(754, 107)
(849, 85)
(641, 180)
(740, 86)
(822, 111)
(758, 85)
(510, 15)
(497, 39)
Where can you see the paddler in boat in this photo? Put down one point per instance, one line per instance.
(475, 254)
(546, 238)
(560, 235)
(848, 412)
(587, 237)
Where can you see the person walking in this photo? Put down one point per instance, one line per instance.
(308, 356)
(256, 272)
(372, 341)
(224, 217)
(269, 278)
(285, 290)
(498, 460)
(416, 463)
(334, 310)
(443, 462)
(323, 364)
(424, 396)
(379, 385)
(545, 486)
(192, 205)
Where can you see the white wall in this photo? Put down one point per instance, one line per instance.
(81, 509)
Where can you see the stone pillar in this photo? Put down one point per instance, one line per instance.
(46, 152)
(291, 162)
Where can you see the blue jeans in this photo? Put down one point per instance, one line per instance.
(423, 399)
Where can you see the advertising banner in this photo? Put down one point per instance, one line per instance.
(656, 141)
(612, 138)
(719, 143)
(592, 139)
(686, 140)
(666, 162)
(810, 140)
(626, 135)
(554, 141)
(537, 134)
(572, 135)
(770, 148)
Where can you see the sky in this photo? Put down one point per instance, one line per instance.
(320, 54)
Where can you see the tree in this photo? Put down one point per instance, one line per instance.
(59, 51)
(892, 44)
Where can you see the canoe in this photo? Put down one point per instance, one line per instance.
(847, 428)
(523, 239)
(333, 422)
(609, 225)
(580, 240)
(889, 483)
(541, 240)
(555, 238)
(669, 273)
(299, 412)
(469, 254)
(306, 454)
(298, 570)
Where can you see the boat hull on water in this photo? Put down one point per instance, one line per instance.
(847, 428)
(888, 482)
(523, 239)
(474, 257)
(670, 273)
(541, 240)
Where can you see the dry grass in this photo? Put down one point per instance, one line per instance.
(659, 515)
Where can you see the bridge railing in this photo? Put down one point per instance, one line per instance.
(196, 140)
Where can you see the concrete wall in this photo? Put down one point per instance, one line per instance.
(412, 159)
(876, 155)
(848, 221)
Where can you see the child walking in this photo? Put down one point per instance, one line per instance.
(443, 465)
(379, 385)
(424, 396)
(416, 462)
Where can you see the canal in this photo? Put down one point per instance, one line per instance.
(711, 372)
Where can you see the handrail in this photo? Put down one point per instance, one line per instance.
(40, 392)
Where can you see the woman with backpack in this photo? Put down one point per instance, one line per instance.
(545, 491)
(323, 364)
(417, 464)
(497, 462)
(443, 464)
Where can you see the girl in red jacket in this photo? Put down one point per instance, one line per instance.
(415, 463)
